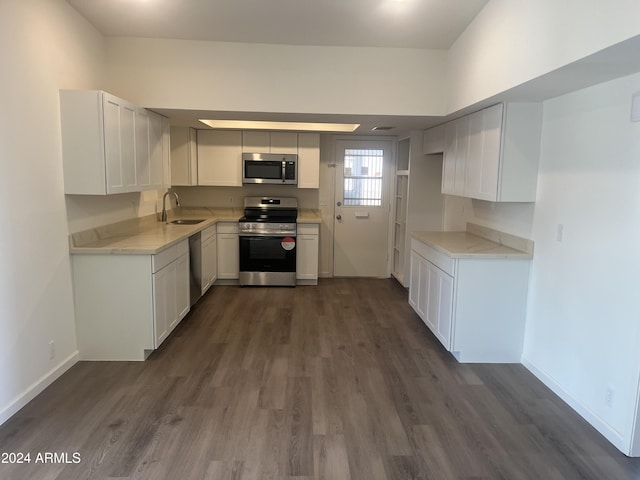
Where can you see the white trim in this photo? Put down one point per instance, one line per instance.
(585, 412)
(37, 387)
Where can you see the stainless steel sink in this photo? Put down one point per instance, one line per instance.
(187, 221)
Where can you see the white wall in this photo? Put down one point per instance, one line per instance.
(511, 42)
(277, 78)
(583, 321)
(44, 46)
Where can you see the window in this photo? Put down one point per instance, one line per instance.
(363, 177)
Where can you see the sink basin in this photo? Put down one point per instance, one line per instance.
(187, 221)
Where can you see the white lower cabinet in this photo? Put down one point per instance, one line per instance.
(307, 242)
(127, 305)
(474, 306)
(228, 251)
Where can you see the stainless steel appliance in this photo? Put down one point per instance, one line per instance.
(195, 267)
(270, 168)
(267, 235)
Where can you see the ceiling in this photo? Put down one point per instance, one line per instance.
(433, 24)
(427, 24)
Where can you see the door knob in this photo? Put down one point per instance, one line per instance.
(338, 217)
(339, 204)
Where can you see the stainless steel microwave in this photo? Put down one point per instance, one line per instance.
(273, 168)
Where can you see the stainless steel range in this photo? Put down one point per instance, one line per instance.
(268, 241)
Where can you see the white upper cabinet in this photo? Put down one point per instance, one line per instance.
(256, 142)
(220, 158)
(455, 156)
(156, 151)
(308, 160)
(433, 140)
(493, 154)
(109, 145)
(184, 156)
(269, 142)
(284, 142)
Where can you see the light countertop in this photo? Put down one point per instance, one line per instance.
(148, 236)
(477, 242)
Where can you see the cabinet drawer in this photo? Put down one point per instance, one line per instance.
(208, 232)
(307, 229)
(165, 257)
(442, 261)
(227, 227)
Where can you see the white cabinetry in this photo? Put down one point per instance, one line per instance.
(474, 306)
(228, 251)
(184, 156)
(493, 154)
(433, 140)
(308, 160)
(307, 241)
(149, 150)
(220, 158)
(455, 156)
(209, 258)
(109, 145)
(269, 142)
(126, 305)
(170, 289)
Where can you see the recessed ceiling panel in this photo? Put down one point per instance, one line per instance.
(433, 24)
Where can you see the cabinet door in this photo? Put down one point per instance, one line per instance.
(256, 142)
(439, 300)
(433, 140)
(228, 256)
(164, 302)
(307, 257)
(220, 158)
(184, 156)
(308, 160)
(449, 159)
(128, 139)
(483, 160)
(143, 164)
(120, 144)
(455, 156)
(112, 144)
(156, 151)
(183, 300)
(284, 142)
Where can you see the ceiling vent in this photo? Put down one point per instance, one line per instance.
(376, 129)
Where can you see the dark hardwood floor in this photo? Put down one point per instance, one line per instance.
(339, 381)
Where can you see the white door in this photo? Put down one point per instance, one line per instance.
(361, 221)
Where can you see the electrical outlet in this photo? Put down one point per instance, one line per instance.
(229, 200)
(52, 349)
(609, 396)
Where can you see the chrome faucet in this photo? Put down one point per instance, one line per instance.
(164, 206)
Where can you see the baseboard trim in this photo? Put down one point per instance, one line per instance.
(37, 387)
(585, 412)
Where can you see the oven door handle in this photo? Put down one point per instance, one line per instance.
(277, 235)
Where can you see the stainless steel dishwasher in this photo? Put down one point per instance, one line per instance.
(195, 269)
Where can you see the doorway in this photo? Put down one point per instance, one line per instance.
(361, 207)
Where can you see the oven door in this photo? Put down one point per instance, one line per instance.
(267, 260)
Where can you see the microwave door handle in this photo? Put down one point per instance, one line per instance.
(284, 171)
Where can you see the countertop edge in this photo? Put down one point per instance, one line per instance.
(512, 254)
(304, 217)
